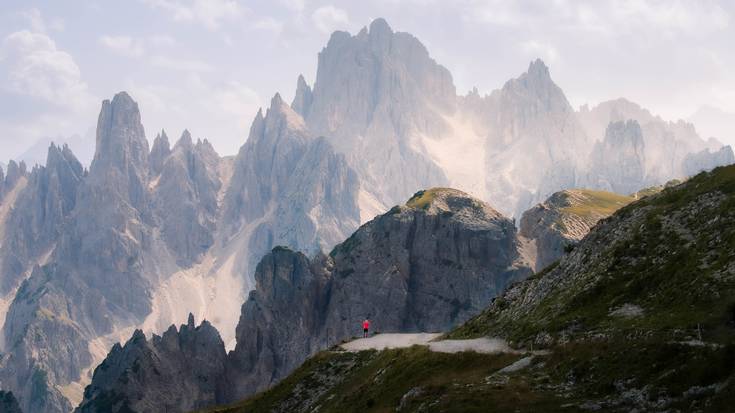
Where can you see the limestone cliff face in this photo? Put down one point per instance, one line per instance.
(35, 222)
(186, 197)
(618, 163)
(425, 266)
(289, 188)
(556, 225)
(373, 92)
(173, 372)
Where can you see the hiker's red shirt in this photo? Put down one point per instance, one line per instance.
(365, 325)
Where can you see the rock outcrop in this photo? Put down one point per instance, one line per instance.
(556, 225)
(8, 403)
(177, 371)
(425, 266)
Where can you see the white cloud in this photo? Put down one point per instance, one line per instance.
(269, 24)
(162, 40)
(209, 13)
(38, 24)
(123, 45)
(185, 65)
(32, 65)
(44, 84)
(329, 18)
(294, 5)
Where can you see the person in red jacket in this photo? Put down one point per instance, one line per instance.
(365, 328)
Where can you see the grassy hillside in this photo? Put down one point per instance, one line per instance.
(589, 203)
(640, 316)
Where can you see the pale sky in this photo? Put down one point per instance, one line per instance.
(207, 65)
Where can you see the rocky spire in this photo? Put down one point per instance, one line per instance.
(185, 140)
(302, 100)
(121, 142)
(161, 150)
(121, 162)
(15, 172)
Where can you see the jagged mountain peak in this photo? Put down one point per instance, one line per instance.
(280, 115)
(628, 131)
(303, 97)
(380, 26)
(14, 172)
(536, 87)
(161, 139)
(185, 140)
(121, 141)
(538, 68)
(58, 155)
(160, 151)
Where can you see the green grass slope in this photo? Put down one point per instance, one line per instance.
(588, 203)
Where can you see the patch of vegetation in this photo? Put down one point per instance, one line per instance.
(414, 378)
(423, 199)
(598, 203)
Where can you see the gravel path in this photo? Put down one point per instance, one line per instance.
(388, 341)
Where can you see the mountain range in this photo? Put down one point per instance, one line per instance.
(147, 235)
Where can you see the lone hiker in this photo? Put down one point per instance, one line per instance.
(365, 328)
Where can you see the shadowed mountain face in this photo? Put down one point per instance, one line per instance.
(426, 266)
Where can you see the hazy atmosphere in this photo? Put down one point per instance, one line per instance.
(208, 65)
(368, 206)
